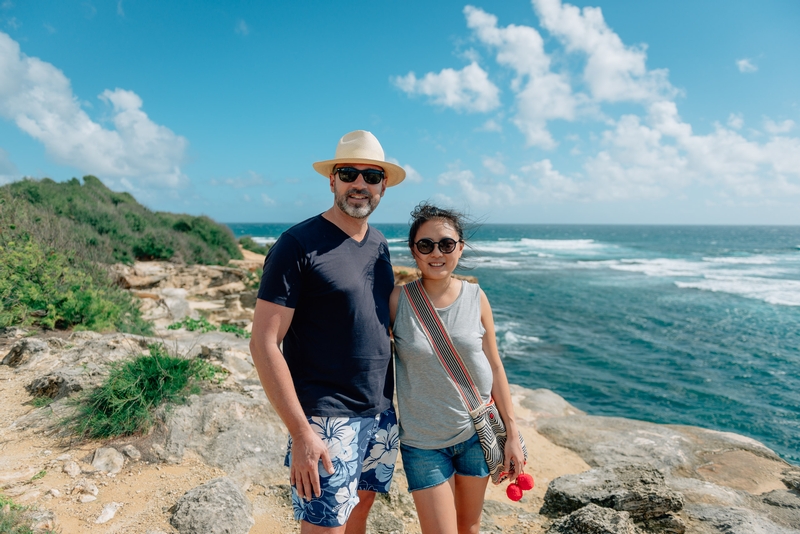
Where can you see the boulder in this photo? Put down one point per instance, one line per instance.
(714, 519)
(26, 351)
(217, 507)
(58, 384)
(791, 477)
(131, 452)
(593, 519)
(241, 435)
(638, 490)
(108, 460)
(608, 441)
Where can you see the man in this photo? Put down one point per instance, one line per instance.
(325, 295)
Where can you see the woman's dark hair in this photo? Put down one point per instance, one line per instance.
(425, 212)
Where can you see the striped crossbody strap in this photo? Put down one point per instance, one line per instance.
(442, 344)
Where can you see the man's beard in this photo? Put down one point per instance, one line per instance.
(357, 212)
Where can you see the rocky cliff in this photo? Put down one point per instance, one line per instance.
(215, 463)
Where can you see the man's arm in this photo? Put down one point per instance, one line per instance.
(270, 324)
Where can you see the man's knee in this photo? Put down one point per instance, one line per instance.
(365, 501)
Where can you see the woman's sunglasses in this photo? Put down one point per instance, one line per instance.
(350, 174)
(446, 245)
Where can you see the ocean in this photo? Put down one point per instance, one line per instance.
(695, 325)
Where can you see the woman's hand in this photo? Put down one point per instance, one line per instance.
(514, 457)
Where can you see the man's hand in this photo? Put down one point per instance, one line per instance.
(307, 451)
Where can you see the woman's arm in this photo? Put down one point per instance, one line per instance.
(501, 393)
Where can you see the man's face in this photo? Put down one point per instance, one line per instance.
(357, 199)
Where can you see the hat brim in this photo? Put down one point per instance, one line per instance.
(394, 173)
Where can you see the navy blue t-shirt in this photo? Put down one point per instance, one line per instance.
(337, 347)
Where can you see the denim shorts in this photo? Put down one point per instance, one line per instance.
(363, 451)
(426, 468)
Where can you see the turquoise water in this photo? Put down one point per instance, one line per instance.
(670, 324)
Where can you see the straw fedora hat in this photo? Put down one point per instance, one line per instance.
(361, 146)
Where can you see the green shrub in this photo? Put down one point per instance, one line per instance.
(248, 244)
(52, 289)
(112, 227)
(124, 404)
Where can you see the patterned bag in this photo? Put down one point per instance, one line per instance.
(488, 424)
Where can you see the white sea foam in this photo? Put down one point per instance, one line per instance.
(484, 261)
(265, 240)
(516, 339)
(563, 244)
(772, 290)
(742, 260)
(539, 247)
(659, 267)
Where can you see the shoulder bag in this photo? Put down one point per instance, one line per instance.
(488, 424)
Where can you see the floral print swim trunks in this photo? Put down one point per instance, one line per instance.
(363, 451)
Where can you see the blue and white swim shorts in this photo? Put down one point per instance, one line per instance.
(363, 451)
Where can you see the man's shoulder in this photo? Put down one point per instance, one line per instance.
(309, 227)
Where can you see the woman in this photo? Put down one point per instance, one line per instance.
(446, 471)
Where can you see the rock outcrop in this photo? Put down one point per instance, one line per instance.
(594, 474)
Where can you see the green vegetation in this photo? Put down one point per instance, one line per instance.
(204, 326)
(39, 475)
(124, 404)
(248, 244)
(113, 227)
(14, 518)
(44, 286)
(41, 402)
(55, 238)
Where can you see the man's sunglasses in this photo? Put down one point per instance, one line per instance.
(350, 174)
(446, 245)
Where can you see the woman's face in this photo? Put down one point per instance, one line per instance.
(437, 265)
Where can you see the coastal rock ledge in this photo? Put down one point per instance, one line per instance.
(222, 451)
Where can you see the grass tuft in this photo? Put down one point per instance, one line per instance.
(124, 404)
(14, 518)
(203, 325)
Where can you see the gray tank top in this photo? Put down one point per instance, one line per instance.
(431, 410)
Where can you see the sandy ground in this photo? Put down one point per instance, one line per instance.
(147, 491)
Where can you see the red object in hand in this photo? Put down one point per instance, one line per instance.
(514, 492)
(525, 481)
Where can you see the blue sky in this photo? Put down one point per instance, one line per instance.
(521, 111)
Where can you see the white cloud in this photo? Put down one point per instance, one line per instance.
(412, 175)
(7, 4)
(494, 164)
(120, 11)
(490, 125)
(242, 28)
(614, 72)
(736, 121)
(468, 89)
(541, 95)
(745, 65)
(267, 200)
(777, 128)
(38, 98)
(665, 155)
